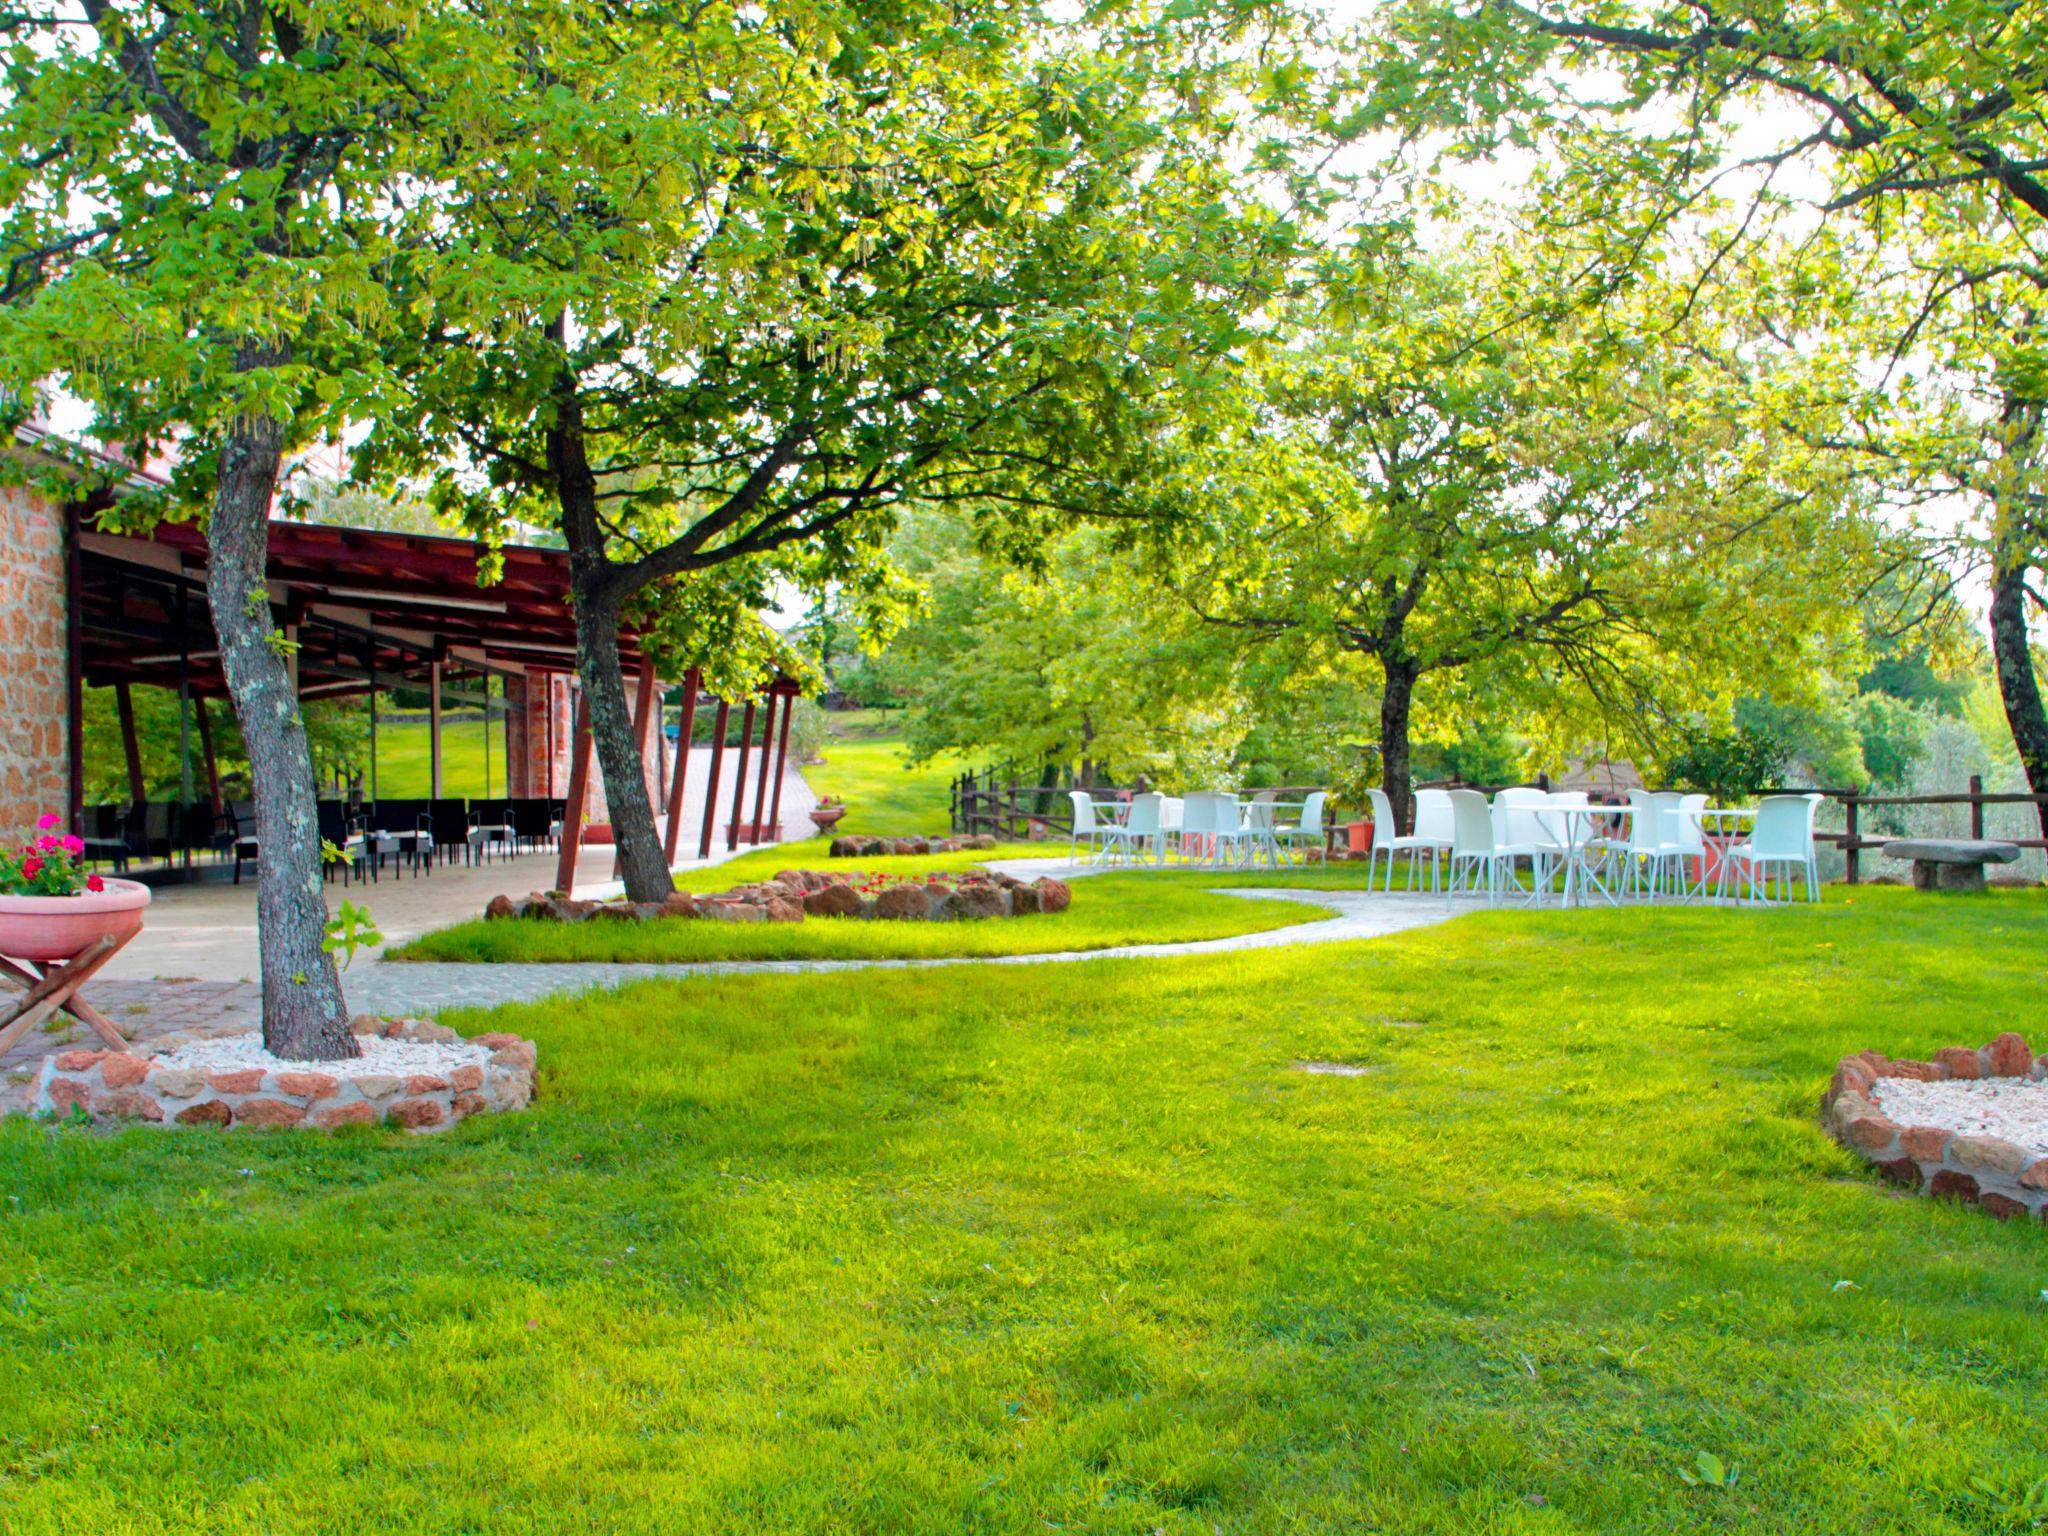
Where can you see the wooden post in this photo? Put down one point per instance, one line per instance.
(711, 788)
(372, 669)
(1852, 853)
(739, 780)
(781, 757)
(579, 794)
(434, 730)
(761, 785)
(692, 681)
(124, 705)
(1977, 806)
(74, 671)
(206, 753)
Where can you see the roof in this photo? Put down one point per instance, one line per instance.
(366, 603)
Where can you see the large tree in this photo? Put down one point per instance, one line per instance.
(1508, 506)
(1904, 148)
(702, 284)
(184, 248)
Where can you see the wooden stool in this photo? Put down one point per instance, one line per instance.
(57, 988)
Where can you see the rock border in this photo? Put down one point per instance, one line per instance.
(1999, 1175)
(794, 894)
(137, 1085)
(856, 846)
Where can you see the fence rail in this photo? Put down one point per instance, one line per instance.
(997, 800)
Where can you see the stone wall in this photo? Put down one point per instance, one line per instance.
(532, 771)
(151, 1083)
(1999, 1175)
(35, 768)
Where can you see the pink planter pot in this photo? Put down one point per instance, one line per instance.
(58, 927)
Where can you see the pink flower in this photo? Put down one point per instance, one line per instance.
(47, 820)
(31, 867)
(46, 844)
(95, 883)
(73, 843)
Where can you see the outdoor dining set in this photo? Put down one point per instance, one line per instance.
(1525, 844)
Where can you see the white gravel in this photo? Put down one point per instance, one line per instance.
(2006, 1107)
(380, 1056)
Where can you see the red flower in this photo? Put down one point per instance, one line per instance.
(31, 867)
(95, 883)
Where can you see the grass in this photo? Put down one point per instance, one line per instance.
(884, 797)
(405, 759)
(1108, 911)
(1073, 1248)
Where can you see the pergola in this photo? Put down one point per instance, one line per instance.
(370, 609)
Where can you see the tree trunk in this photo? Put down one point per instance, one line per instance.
(305, 1017)
(592, 586)
(2017, 685)
(1395, 704)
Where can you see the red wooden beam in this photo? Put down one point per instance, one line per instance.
(711, 789)
(579, 795)
(692, 681)
(739, 784)
(781, 756)
(761, 788)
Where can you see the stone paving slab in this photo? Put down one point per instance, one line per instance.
(146, 1010)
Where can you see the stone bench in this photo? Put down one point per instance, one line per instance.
(1950, 863)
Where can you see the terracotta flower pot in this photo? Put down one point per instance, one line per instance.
(58, 927)
(1359, 836)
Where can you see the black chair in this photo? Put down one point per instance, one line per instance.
(238, 823)
(490, 827)
(104, 831)
(448, 821)
(338, 829)
(402, 829)
(533, 823)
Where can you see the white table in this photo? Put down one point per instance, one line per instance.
(1581, 829)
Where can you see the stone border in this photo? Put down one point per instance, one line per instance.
(795, 894)
(857, 846)
(134, 1085)
(2001, 1176)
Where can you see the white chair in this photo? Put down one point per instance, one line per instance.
(1433, 827)
(1519, 823)
(1257, 830)
(1170, 811)
(1139, 832)
(1476, 848)
(1647, 852)
(1681, 823)
(1086, 826)
(1309, 829)
(1387, 839)
(1210, 829)
(1781, 836)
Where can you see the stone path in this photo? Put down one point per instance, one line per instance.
(146, 1010)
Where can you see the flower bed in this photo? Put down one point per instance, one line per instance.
(795, 894)
(2004, 1177)
(413, 1073)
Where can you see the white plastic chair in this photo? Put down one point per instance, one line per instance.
(1681, 820)
(1475, 860)
(1781, 836)
(1309, 829)
(1647, 849)
(1139, 831)
(1086, 826)
(1433, 827)
(1211, 829)
(1169, 825)
(1519, 823)
(1387, 839)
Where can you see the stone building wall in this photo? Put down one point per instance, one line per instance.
(35, 768)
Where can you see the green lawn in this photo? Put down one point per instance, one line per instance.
(1108, 911)
(884, 798)
(1074, 1248)
(405, 763)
